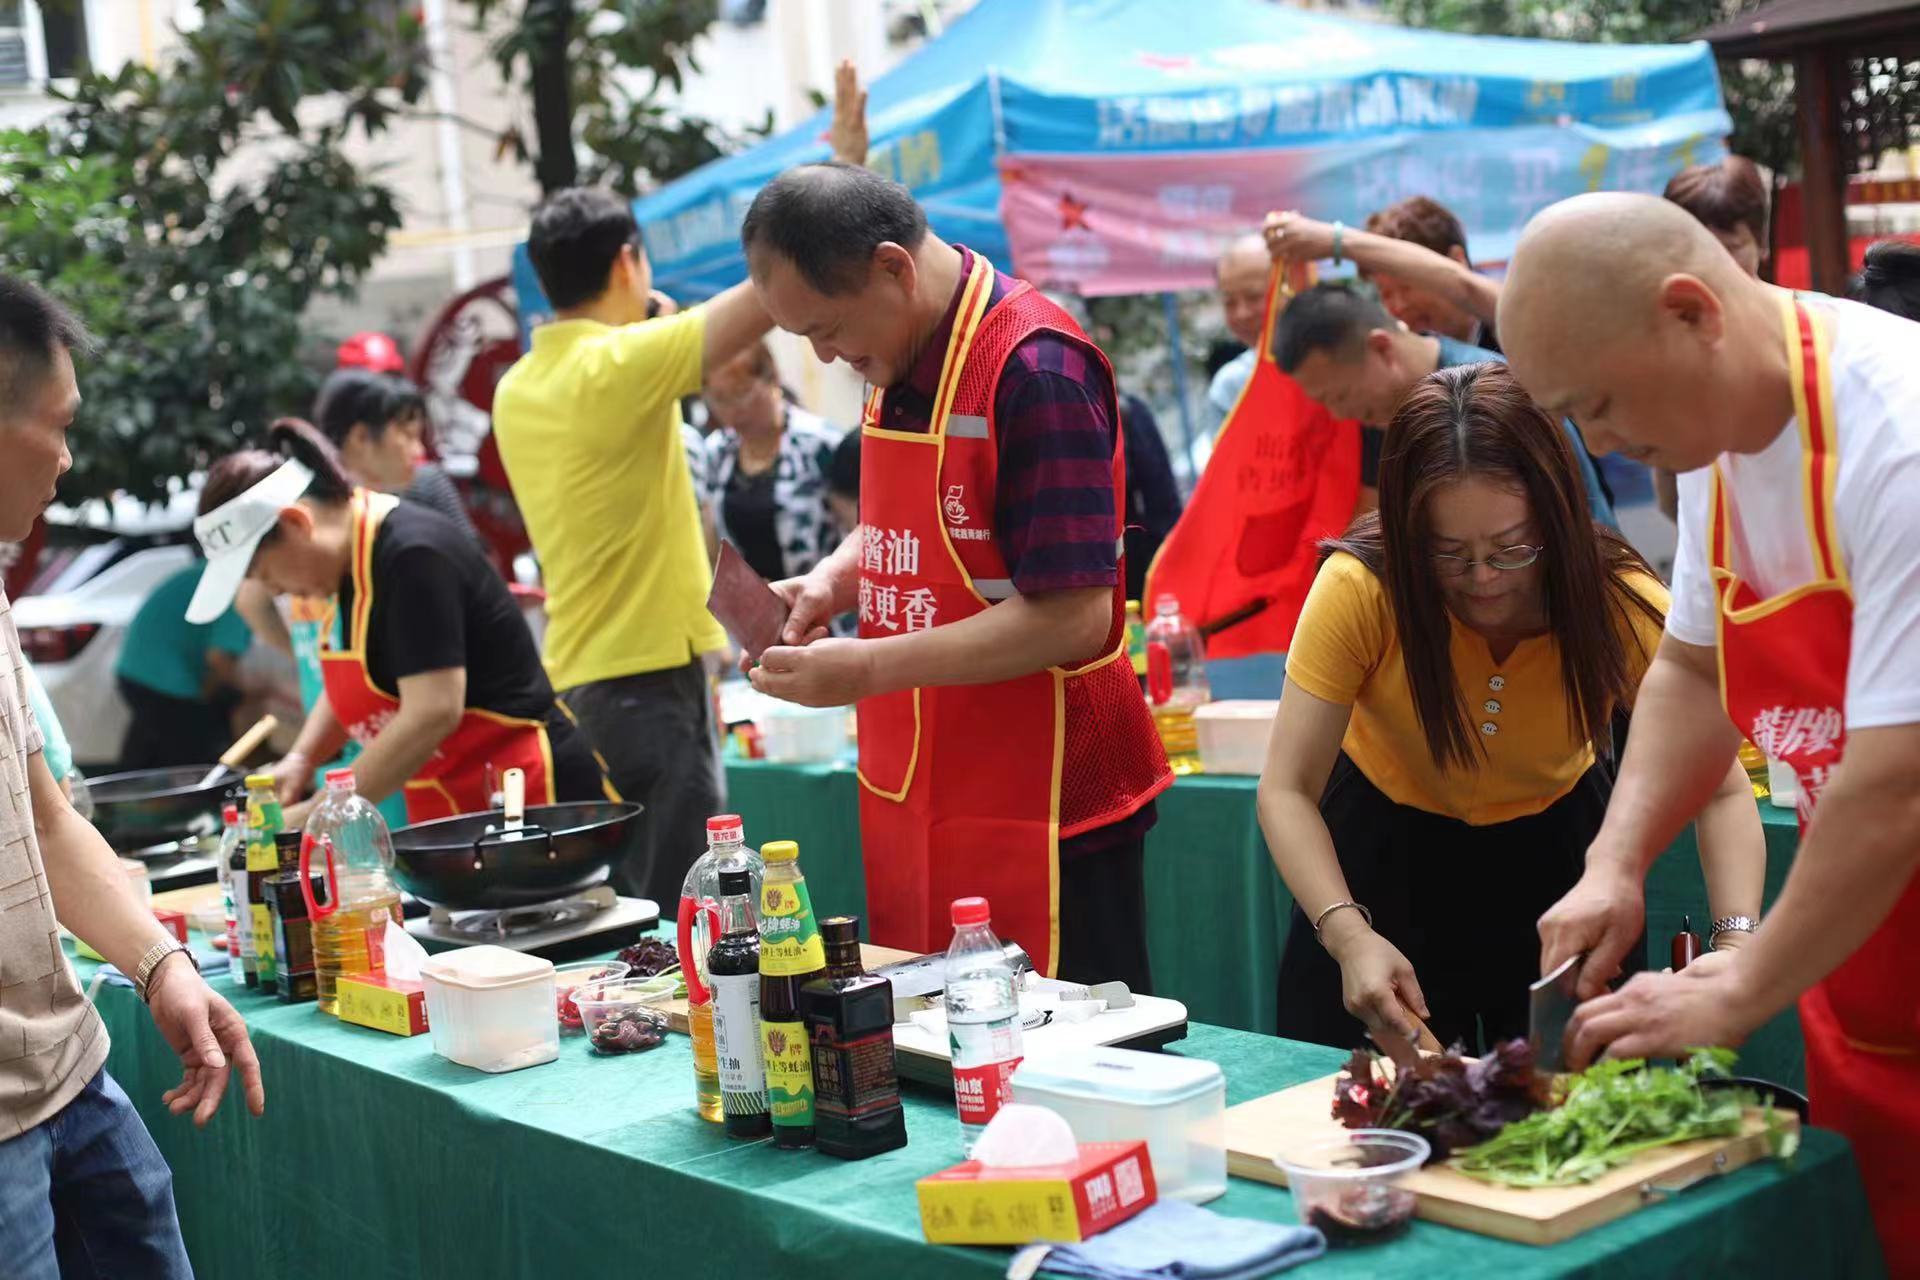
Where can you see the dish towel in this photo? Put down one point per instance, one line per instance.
(1174, 1240)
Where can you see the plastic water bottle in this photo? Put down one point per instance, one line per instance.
(1176, 681)
(348, 834)
(233, 888)
(983, 1018)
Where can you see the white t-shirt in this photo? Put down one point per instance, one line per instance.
(1876, 397)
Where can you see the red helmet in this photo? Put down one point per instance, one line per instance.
(375, 351)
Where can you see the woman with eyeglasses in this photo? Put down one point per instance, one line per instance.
(1442, 754)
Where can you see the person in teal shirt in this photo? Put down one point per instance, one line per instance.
(179, 679)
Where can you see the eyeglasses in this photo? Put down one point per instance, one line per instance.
(1517, 557)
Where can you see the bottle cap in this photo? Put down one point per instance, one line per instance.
(780, 851)
(968, 911)
(229, 815)
(1166, 603)
(725, 828)
(736, 884)
(340, 780)
(840, 931)
(259, 780)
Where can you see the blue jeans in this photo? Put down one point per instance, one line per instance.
(87, 1194)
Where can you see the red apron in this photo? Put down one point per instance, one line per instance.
(968, 789)
(1783, 677)
(455, 779)
(1284, 474)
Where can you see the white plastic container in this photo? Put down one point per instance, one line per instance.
(1233, 734)
(791, 734)
(491, 1009)
(1177, 1105)
(1783, 784)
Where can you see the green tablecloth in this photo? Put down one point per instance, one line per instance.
(1218, 912)
(376, 1158)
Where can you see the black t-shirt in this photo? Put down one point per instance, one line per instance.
(1371, 441)
(432, 487)
(749, 513)
(437, 604)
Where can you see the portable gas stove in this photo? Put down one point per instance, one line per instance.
(589, 923)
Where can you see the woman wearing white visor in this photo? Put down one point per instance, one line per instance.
(437, 675)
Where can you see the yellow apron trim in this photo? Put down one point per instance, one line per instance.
(432, 784)
(913, 763)
(606, 773)
(1882, 1050)
(1053, 822)
(1830, 460)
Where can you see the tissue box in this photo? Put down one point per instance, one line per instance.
(972, 1204)
(383, 1003)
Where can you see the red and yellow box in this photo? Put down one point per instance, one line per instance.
(970, 1204)
(383, 1003)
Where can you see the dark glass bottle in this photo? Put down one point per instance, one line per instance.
(849, 1017)
(790, 957)
(733, 973)
(292, 931)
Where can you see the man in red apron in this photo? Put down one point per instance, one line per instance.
(1796, 596)
(1005, 749)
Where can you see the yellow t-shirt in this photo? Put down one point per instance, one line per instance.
(588, 423)
(1345, 650)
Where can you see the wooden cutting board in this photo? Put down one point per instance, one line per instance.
(1257, 1131)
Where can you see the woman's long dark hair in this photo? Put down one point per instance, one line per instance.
(350, 397)
(292, 438)
(1475, 420)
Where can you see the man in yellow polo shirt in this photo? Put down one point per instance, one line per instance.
(588, 423)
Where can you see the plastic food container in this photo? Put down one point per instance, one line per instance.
(1349, 1186)
(1233, 734)
(567, 978)
(1177, 1106)
(491, 1009)
(599, 1001)
(791, 734)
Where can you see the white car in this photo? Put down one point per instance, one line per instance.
(101, 563)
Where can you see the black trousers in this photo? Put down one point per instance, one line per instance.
(655, 732)
(164, 731)
(1460, 902)
(1103, 917)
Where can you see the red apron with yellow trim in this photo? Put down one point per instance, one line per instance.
(967, 790)
(1783, 676)
(456, 779)
(1284, 474)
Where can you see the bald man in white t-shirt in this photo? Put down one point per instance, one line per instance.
(1796, 601)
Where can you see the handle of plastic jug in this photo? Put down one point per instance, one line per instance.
(315, 911)
(697, 992)
(1159, 673)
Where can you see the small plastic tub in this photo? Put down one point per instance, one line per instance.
(1176, 1105)
(1349, 1186)
(490, 1008)
(601, 1003)
(567, 978)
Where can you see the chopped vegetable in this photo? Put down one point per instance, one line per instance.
(1612, 1112)
(648, 957)
(1450, 1100)
(631, 1030)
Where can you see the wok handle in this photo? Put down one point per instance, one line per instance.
(250, 741)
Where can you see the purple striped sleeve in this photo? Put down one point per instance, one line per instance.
(1054, 513)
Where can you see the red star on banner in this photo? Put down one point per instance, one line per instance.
(1073, 213)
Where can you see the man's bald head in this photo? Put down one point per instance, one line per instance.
(1618, 310)
(1242, 271)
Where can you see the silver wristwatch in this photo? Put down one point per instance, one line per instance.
(158, 952)
(1730, 924)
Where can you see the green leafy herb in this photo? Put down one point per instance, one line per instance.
(1612, 1112)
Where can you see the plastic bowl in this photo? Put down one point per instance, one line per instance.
(567, 978)
(1348, 1186)
(599, 1001)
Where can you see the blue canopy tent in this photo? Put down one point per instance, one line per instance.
(1110, 146)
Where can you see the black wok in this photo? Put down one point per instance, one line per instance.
(469, 863)
(154, 806)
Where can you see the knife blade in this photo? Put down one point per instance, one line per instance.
(1550, 1005)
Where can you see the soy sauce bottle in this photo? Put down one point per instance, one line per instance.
(733, 974)
(791, 956)
(856, 1085)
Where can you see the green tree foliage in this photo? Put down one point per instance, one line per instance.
(193, 267)
(601, 75)
(1759, 94)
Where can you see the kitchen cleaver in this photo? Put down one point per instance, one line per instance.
(750, 610)
(1550, 1005)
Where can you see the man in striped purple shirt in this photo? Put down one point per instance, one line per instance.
(843, 258)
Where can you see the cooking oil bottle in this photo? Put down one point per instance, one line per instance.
(351, 839)
(1176, 682)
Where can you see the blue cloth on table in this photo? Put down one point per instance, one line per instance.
(1174, 1240)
